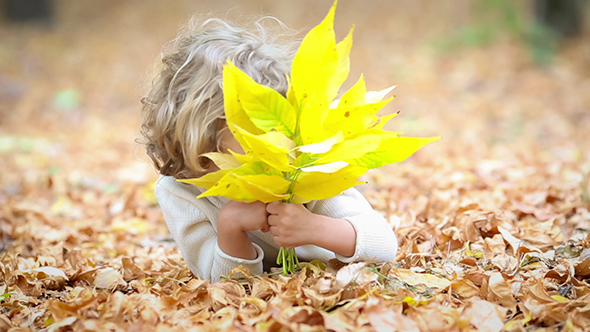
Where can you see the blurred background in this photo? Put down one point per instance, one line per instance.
(499, 80)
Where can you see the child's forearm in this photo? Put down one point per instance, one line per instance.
(337, 235)
(234, 242)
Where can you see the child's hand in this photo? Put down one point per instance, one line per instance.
(293, 225)
(234, 220)
(244, 216)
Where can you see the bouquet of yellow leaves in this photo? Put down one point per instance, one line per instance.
(305, 146)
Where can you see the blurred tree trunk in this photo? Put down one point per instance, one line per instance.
(563, 16)
(28, 10)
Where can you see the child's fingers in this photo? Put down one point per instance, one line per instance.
(273, 220)
(265, 228)
(274, 207)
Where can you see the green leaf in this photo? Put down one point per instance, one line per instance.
(4, 296)
(265, 107)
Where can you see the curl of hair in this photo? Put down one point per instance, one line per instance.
(183, 112)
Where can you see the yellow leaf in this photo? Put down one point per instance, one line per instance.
(377, 96)
(328, 148)
(351, 120)
(148, 192)
(132, 225)
(305, 160)
(356, 147)
(342, 66)
(257, 167)
(391, 150)
(300, 200)
(223, 160)
(560, 298)
(413, 278)
(324, 146)
(208, 180)
(313, 114)
(234, 113)
(252, 182)
(265, 107)
(380, 122)
(316, 60)
(291, 96)
(355, 96)
(243, 158)
(266, 188)
(249, 188)
(237, 134)
(317, 266)
(414, 302)
(272, 148)
(317, 185)
(230, 187)
(326, 168)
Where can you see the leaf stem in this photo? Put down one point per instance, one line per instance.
(293, 180)
(287, 256)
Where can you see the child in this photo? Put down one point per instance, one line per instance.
(184, 118)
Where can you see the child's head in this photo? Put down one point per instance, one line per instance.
(183, 115)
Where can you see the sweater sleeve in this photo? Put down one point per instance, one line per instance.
(196, 236)
(375, 238)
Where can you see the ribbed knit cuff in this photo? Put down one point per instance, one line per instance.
(224, 263)
(371, 243)
(358, 243)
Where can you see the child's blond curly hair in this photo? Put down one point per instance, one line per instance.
(183, 114)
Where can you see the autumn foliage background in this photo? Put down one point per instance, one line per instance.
(493, 219)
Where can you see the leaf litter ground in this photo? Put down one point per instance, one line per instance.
(493, 221)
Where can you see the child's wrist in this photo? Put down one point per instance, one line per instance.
(233, 241)
(336, 235)
(227, 220)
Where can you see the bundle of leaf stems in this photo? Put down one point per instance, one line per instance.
(287, 256)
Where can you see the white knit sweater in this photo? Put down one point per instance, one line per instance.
(193, 224)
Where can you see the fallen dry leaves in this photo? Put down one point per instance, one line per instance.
(493, 223)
